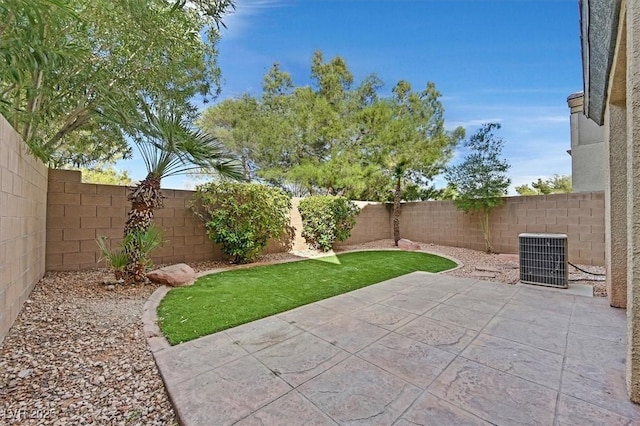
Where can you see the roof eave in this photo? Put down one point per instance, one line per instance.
(599, 20)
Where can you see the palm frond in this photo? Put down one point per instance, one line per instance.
(170, 146)
(116, 258)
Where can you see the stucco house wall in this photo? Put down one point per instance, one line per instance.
(610, 31)
(587, 148)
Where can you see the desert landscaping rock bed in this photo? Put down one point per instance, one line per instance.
(77, 353)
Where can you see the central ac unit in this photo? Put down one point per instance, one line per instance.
(543, 260)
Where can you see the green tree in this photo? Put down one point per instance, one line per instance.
(106, 175)
(168, 146)
(406, 140)
(526, 190)
(561, 184)
(481, 180)
(236, 123)
(558, 184)
(336, 137)
(67, 68)
(300, 137)
(311, 127)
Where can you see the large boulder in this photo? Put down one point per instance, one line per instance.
(405, 244)
(178, 275)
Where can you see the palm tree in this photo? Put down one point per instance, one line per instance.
(169, 146)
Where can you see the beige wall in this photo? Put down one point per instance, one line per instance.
(23, 194)
(78, 212)
(630, 89)
(373, 223)
(580, 216)
(622, 124)
(296, 223)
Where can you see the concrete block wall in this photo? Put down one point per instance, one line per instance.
(78, 213)
(579, 215)
(23, 195)
(371, 224)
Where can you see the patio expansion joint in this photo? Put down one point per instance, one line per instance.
(497, 314)
(455, 357)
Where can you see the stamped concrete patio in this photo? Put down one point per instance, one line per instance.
(420, 349)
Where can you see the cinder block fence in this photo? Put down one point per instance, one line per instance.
(77, 213)
(580, 216)
(23, 205)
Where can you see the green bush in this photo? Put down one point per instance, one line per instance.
(242, 216)
(327, 219)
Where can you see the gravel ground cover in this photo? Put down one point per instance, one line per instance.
(77, 353)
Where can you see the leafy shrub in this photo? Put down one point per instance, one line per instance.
(145, 242)
(327, 219)
(242, 216)
(115, 258)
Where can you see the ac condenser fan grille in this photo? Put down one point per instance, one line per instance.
(543, 259)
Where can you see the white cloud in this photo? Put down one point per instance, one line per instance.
(542, 159)
(239, 21)
(525, 90)
(518, 121)
(476, 122)
(552, 118)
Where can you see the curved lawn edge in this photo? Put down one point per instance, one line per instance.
(459, 264)
(211, 306)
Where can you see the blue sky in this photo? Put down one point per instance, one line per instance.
(508, 61)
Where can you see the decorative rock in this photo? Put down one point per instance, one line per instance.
(405, 244)
(25, 373)
(481, 274)
(487, 268)
(179, 275)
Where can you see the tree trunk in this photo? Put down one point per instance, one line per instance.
(397, 193)
(145, 198)
(484, 224)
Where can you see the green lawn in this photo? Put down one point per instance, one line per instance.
(227, 299)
